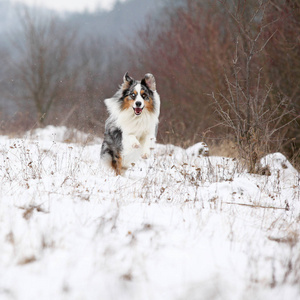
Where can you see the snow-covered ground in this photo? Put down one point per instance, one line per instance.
(176, 226)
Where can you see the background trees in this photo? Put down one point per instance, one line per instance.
(188, 56)
(243, 53)
(42, 72)
(284, 64)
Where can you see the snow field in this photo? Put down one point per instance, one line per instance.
(176, 226)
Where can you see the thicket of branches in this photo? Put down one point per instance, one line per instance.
(257, 115)
(230, 71)
(224, 70)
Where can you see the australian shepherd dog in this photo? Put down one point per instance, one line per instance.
(131, 127)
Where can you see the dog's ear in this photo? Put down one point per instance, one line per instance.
(149, 81)
(127, 81)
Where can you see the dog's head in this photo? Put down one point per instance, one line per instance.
(138, 95)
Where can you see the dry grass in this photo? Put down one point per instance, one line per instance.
(225, 148)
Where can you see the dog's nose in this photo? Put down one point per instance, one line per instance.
(138, 104)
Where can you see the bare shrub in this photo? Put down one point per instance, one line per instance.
(254, 115)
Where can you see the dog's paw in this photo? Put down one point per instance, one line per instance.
(136, 145)
(146, 155)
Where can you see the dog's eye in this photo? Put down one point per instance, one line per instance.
(133, 95)
(144, 96)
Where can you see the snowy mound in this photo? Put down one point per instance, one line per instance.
(277, 162)
(180, 154)
(61, 134)
(198, 149)
(277, 166)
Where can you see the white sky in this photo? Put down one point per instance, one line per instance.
(72, 5)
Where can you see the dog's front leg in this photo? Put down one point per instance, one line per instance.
(147, 144)
(131, 142)
(131, 151)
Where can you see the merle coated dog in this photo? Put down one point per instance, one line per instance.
(132, 125)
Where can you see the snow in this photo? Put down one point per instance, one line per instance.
(177, 226)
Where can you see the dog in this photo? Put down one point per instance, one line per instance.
(131, 128)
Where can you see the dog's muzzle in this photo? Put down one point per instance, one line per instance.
(137, 108)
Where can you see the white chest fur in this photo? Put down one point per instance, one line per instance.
(139, 126)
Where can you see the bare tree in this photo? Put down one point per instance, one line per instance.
(249, 108)
(42, 69)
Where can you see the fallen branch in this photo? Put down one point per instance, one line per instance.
(256, 206)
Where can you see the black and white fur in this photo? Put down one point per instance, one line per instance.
(132, 125)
